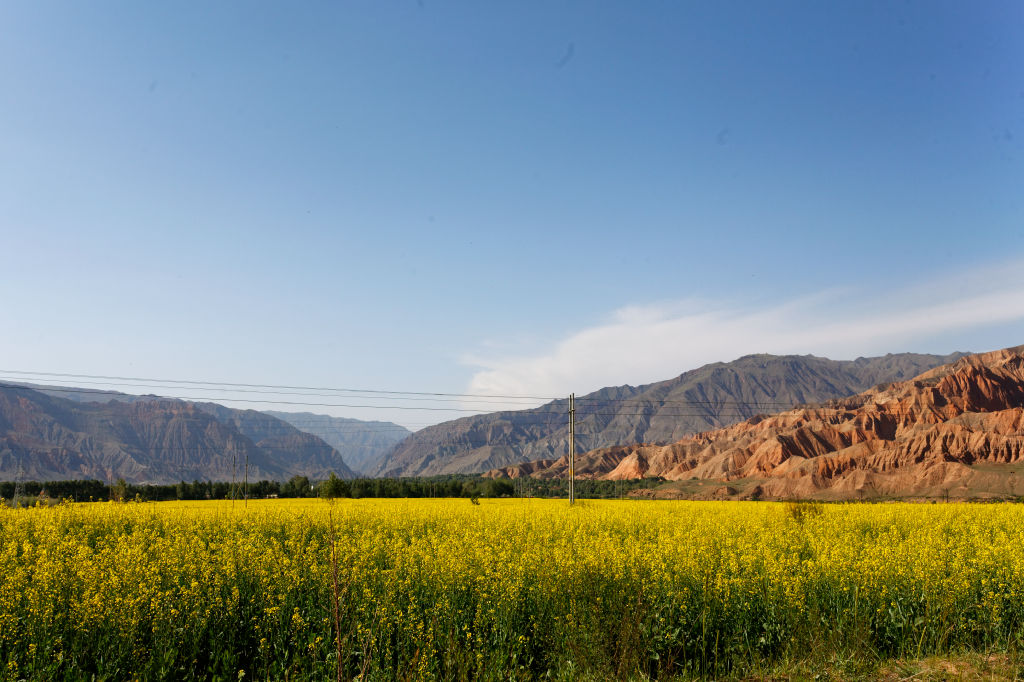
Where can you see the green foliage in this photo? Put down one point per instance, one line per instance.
(497, 487)
(460, 485)
(297, 486)
(334, 487)
(119, 491)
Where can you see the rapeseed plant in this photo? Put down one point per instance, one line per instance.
(522, 589)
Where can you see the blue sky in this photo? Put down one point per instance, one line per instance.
(525, 198)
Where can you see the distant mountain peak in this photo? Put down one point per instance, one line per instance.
(954, 430)
(362, 443)
(697, 400)
(149, 440)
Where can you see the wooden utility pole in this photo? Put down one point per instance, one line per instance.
(572, 447)
(19, 485)
(246, 503)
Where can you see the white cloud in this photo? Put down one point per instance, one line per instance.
(645, 343)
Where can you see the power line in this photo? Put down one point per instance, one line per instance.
(252, 400)
(510, 412)
(520, 414)
(655, 401)
(512, 415)
(205, 399)
(296, 388)
(375, 394)
(656, 405)
(531, 403)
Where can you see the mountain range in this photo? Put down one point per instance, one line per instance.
(363, 443)
(49, 433)
(708, 397)
(150, 440)
(956, 430)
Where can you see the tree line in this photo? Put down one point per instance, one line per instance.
(467, 486)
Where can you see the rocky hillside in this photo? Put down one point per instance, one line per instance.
(954, 431)
(702, 399)
(363, 444)
(151, 441)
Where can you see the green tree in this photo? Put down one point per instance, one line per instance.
(297, 486)
(334, 487)
(499, 488)
(119, 491)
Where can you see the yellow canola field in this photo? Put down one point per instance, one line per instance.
(445, 589)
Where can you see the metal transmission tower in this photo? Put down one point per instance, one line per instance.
(572, 448)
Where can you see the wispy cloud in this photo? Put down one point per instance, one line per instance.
(645, 343)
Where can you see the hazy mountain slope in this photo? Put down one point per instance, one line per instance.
(156, 441)
(84, 395)
(282, 441)
(362, 443)
(956, 430)
(704, 398)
